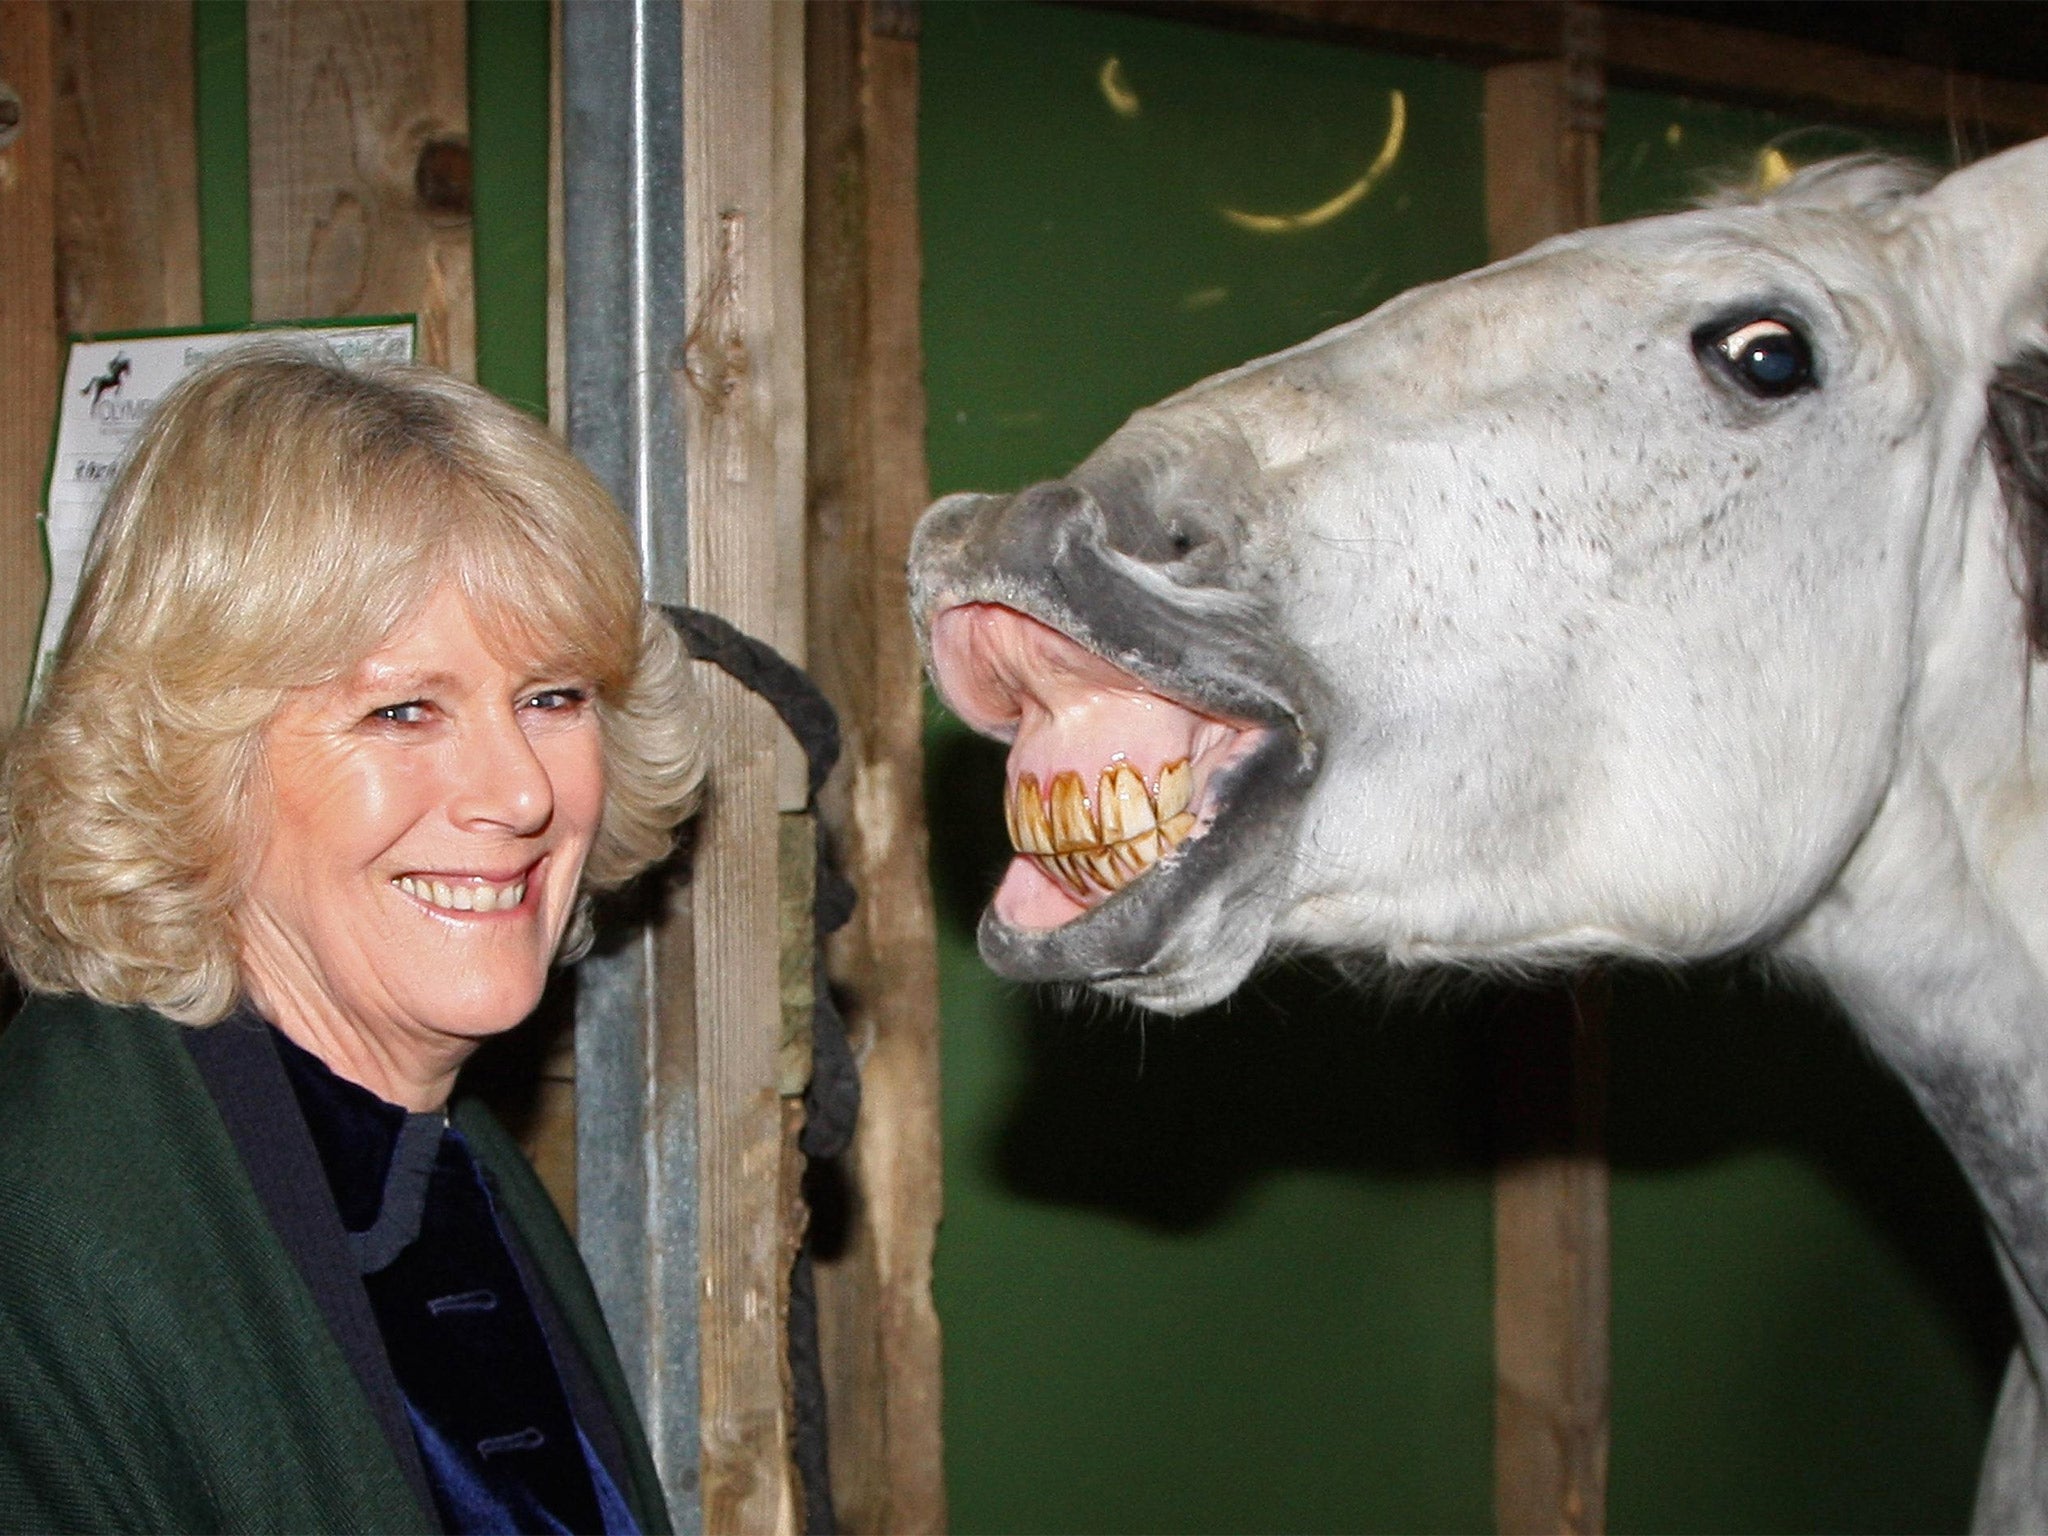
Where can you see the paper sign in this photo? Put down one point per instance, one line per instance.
(111, 384)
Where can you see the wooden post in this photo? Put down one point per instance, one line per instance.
(1543, 129)
(1550, 1255)
(744, 420)
(868, 484)
(28, 329)
(359, 185)
(127, 165)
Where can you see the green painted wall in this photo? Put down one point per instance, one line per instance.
(1229, 1273)
(1232, 1273)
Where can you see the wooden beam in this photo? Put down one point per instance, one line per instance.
(1645, 48)
(744, 416)
(29, 328)
(1551, 1252)
(1792, 74)
(868, 485)
(359, 185)
(128, 165)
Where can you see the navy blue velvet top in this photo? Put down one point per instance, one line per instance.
(503, 1452)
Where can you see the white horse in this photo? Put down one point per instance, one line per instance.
(1675, 588)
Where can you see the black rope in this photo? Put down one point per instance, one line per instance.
(832, 1097)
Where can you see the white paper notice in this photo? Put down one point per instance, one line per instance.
(110, 387)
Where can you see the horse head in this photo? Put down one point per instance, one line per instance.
(1580, 604)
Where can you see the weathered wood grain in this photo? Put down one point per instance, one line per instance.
(127, 180)
(359, 184)
(744, 415)
(868, 485)
(29, 331)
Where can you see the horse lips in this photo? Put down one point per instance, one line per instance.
(1107, 777)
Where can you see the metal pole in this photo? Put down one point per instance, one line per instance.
(636, 1135)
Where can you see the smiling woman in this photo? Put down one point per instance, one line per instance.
(359, 702)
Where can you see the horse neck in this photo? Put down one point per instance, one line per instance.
(1935, 937)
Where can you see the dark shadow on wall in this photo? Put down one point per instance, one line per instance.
(1167, 1122)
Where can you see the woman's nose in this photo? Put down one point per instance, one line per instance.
(502, 783)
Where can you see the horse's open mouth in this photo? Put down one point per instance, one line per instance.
(1108, 777)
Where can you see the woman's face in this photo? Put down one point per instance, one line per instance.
(430, 813)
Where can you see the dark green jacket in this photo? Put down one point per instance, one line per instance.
(163, 1366)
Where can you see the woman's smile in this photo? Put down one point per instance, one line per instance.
(468, 895)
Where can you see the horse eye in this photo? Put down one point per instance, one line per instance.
(1769, 358)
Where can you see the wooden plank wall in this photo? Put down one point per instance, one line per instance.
(127, 169)
(744, 417)
(359, 185)
(29, 326)
(868, 485)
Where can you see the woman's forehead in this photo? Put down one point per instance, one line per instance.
(442, 638)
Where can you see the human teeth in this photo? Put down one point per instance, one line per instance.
(463, 898)
(1099, 850)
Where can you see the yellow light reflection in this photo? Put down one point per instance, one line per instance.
(1773, 170)
(1116, 90)
(1343, 202)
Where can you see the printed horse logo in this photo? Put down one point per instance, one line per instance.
(108, 383)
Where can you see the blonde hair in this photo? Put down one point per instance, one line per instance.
(277, 520)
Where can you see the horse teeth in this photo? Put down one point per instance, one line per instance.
(1096, 851)
(1030, 832)
(1101, 868)
(1123, 806)
(1123, 865)
(1072, 826)
(1176, 789)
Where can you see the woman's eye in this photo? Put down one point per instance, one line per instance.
(557, 698)
(412, 712)
(1767, 357)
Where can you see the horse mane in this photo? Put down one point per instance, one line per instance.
(1862, 183)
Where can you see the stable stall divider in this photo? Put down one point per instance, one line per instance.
(741, 394)
(1551, 1243)
(880, 1204)
(616, 288)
